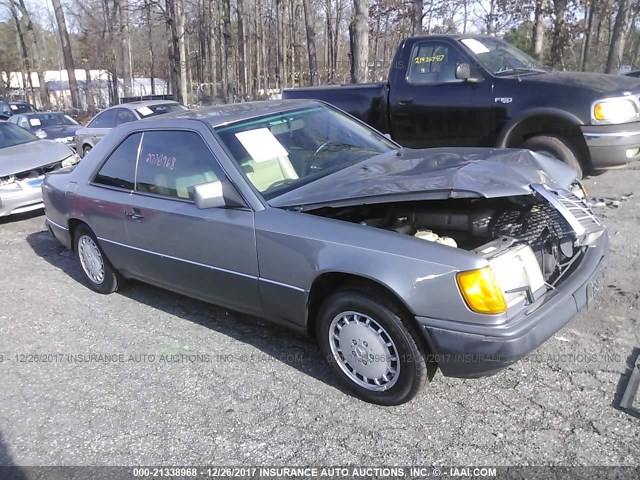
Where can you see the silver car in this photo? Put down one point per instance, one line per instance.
(398, 261)
(24, 161)
(86, 138)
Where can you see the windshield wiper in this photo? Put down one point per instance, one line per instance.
(519, 71)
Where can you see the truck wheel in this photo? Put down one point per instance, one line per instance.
(97, 269)
(86, 149)
(555, 147)
(371, 347)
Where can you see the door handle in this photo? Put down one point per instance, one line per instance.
(134, 214)
(405, 101)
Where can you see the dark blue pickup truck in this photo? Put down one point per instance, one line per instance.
(469, 90)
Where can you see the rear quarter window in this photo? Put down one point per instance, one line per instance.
(119, 169)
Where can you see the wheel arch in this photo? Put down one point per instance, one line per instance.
(73, 224)
(546, 121)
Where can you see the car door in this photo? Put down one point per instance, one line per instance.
(430, 107)
(105, 199)
(100, 126)
(205, 253)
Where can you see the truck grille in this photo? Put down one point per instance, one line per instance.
(578, 215)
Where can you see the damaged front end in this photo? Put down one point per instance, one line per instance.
(531, 242)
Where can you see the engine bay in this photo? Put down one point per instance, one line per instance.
(472, 224)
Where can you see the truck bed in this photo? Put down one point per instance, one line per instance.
(367, 101)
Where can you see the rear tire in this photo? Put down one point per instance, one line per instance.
(99, 273)
(556, 147)
(372, 347)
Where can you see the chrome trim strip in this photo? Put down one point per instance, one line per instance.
(55, 224)
(282, 284)
(620, 134)
(198, 264)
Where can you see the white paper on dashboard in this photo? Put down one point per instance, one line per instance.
(34, 122)
(261, 144)
(475, 46)
(144, 111)
(13, 107)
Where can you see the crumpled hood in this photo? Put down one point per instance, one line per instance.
(599, 83)
(433, 174)
(26, 156)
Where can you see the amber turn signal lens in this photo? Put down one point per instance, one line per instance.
(481, 291)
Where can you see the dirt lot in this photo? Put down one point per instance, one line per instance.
(241, 392)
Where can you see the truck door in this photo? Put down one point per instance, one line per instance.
(430, 107)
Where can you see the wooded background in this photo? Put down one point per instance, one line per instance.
(213, 51)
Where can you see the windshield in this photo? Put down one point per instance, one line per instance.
(501, 58)
(11, 135)
(44, 120)
(153, 110)
(281, 152)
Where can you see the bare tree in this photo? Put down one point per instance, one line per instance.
(359, 41)
(67, 53)
(311, 43)
(614, 59)
(125, 46)
(36, 55)
(538, 29)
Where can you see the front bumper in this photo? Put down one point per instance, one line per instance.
(20, 200)
(608, 144)
(466, 350)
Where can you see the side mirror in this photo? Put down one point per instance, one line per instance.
(218, 194)
(463, 72)
(41, 133)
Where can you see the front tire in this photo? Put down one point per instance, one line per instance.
(372, 347)
(85, 150)
(99, 274)
(556, 147)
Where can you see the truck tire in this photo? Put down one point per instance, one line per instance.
(555, 147)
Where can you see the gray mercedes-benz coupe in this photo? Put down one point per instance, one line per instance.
(398, 261)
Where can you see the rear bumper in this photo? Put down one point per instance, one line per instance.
(464, 350)
(61, 232)
(20, 201)
(608, 144)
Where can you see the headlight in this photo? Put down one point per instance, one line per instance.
(63, 139)
(8, 182)
(71, 160)
(614, 110)
(481, 291)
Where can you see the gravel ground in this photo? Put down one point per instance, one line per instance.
(239, 391)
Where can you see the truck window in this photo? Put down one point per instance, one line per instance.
(431, 63)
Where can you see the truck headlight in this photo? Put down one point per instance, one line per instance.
(70, 160)
(481, 291)
(614, 110)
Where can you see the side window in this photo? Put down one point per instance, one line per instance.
(124, 116)
(433, 62)
(119, 169)
(171, 163)
(105, 119)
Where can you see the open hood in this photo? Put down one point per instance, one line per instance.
(432, 174)
(27, 156)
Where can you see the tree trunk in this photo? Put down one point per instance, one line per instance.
(359, 41)
(182, 59)
(559, 33)
(242, 72)
(66, 53)
(618, 37)
(91, 103)
(228, 71)
(280, 74)
(36, 56)
(416, 17)
(538, 30)
(593, 6)
(125, 46)
(311, 44)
